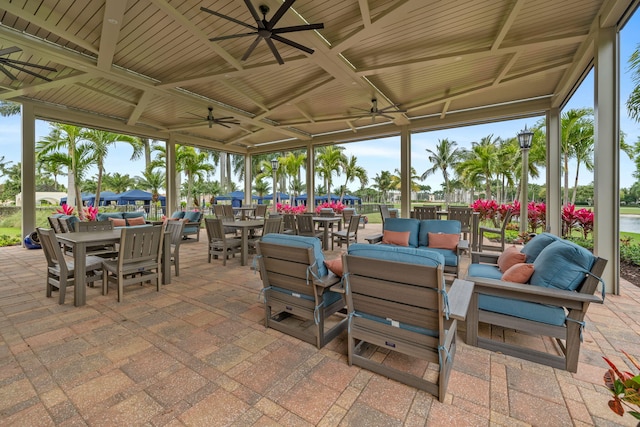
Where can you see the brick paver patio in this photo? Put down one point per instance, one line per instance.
(197, 353)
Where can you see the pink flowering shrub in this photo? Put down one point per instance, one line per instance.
(288, 209)
(573, 219)
(537, 216)
(337, 207)
(65, 209)
(490, 210)
(90, 213)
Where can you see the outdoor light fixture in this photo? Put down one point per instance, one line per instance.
(274, 168)
(525, 137)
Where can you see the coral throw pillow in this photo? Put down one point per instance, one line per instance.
(335, 265)
(518, 273)
(118, 222)
(398, 238)
(443, 241)
(136, 221)
(509, 257)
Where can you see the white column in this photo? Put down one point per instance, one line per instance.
(554, 172)
(311, 181)
(28, 169)
(405, 172)
(248, 179)
(172, 195)
(607, 156)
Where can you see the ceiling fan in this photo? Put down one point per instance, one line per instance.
(382, 112)
(222, 121)
(19, 65)
(265, 29)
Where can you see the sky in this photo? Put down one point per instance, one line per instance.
(384, 154)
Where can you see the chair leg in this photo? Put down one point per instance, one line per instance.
(63, 290)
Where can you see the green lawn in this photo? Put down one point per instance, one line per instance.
(9, 231)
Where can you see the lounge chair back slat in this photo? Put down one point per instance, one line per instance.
(404, 293)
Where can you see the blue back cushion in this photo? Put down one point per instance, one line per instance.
(300, 242)
(488, 271)
(427, 226)
(562, 265)
(397, 253)
(105, 216)
(404, 224)
(178, 214)
(192, 216)
(126, 215)
(533, 248)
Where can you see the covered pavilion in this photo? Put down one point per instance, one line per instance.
(142, 67)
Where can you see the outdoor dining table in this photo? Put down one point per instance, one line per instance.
(79, 241)
(244, 226)
(326, 221)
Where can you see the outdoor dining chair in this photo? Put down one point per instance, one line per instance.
(219, 243)
(350, 234)
(499, 231)
(59, 270)
(175, 229)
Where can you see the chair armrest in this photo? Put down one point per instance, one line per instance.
(376, 238)
(327, 281)
(531, 293)
(483, 257)
(459, 298)
(489, 230)
(463, 245)
(339, 288)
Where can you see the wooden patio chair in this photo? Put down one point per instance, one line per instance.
(425, 212)
(501, 232)
(289, 224)
(219, 243)
(384, 213)
(306, 226)
(403, 307)
(175, 229)
(54, 224)
(271, 225)
(297, 295)
(347, 236)
(260, 212)
(59, 270)
(464, 215)
(108, 251)
(139, 259)
(571, 305)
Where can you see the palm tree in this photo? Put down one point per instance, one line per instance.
(445, 156)
(583, 152)
(480, 162)
(383, 183)
(330, 159)
(351, 172)
(101, 141)
(61, 137)
(633, 102)
(117, 182)
(8, 108)
(572, 122)
(193, 163)
(3, 165)
(293, 163)
(152, 181)
(261, 187)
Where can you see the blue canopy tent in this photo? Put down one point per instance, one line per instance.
(236, 197)
(86, 197)
(302, 199)
(103, 197)
(349, 199)
(132, 196)
(281, 196)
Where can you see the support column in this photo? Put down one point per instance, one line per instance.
(554, 172)
(311, 182)
(171, 173)
(405, 172)
(607, 155)
(248, 179)
(28, 170)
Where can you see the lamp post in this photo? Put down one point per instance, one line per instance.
(274, 169)
(524, 138)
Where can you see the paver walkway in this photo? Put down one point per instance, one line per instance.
(197, 353)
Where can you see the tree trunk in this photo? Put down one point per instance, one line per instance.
(566, 180)
(575, 187)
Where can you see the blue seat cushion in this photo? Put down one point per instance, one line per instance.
(488, 271)
(549, 314)
(427, 226)
(178, 214)
(106, 215)
(397, 253)
(71, 219)
(300, 242)
(126, 215)
(450, 257)
(405, 326)
(533, 248)
(562, 265)
(192, 216)
(404, 224)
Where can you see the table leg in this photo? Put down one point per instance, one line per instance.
(80, 273)
(325, 237)
(245, 247)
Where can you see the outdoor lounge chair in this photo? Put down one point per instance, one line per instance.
(553, 303)
(501, 232)
(397, 302)
(296, 287)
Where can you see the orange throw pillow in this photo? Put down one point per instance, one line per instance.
(136, 221)
(398, 238)
(118, 222)
(509, 257)
(443, 241)
(335, 265)
(518, 273)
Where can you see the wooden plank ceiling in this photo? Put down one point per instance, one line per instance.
(147, 67)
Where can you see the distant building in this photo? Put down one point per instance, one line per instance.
(52, 197)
